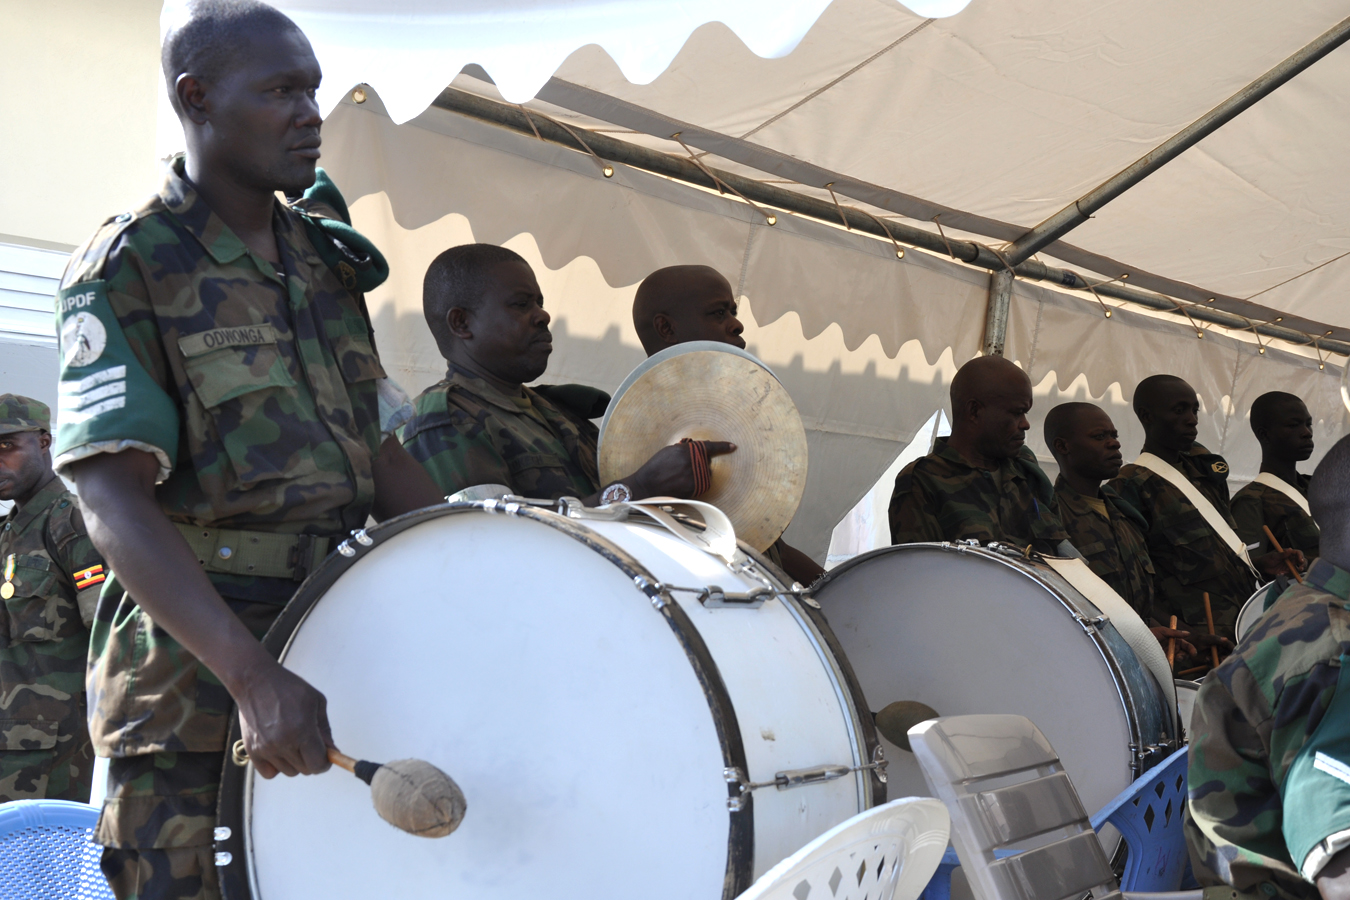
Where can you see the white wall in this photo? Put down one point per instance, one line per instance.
(78, 106)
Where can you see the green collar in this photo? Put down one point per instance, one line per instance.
(479, 387)
(1328, 577)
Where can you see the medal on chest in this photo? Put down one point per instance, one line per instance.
(7, 589)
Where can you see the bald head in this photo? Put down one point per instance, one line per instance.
(990, 400)
(1169, 410)
(685, 303)
(1329, 502)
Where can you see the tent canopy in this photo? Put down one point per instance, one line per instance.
(991, 119)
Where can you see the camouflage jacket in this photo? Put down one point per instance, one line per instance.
(1256, 505)
(256, 388)
(1113, 546)
(1189, 559)
(943, 498)
(1252, 716)
(56, 575)
(467, 432)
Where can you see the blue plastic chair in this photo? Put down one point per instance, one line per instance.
(1148, 816)
(47, 852)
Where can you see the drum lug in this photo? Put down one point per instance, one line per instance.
(1090, 625)
(713, 597)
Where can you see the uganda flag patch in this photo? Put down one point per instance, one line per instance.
(89, 577)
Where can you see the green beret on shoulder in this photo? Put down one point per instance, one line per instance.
(352, 256)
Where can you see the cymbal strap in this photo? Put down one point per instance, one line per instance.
(702, 468)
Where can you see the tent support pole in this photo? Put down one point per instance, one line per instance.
(1078, 212)
(685, 170)
(996, 319)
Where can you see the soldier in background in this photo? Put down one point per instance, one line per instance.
(1269, 780)
(482, 426)
(982, 482)
(1182, 491)
(1278, 497)
(679, 304)
(1101, 525)
(52, 576)
(221, 416)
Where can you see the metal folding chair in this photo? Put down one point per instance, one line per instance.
(885, 853)
(1018, 826)
(47, 850)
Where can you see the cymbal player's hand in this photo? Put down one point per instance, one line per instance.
(670, 472)
(1275, 564)
(1183, 646)
(284, 722)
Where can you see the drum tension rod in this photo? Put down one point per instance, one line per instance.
(797, 778)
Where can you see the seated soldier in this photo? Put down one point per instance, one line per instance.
(1269, 781)
(678, 304)
(1182, 491)
(1278, 498)
(1101, 526)
(982, 482)
(481, 425)
(52, 578)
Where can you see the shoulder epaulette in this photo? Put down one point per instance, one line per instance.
(87, 262)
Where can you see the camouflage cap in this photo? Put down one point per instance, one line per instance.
(23, 414)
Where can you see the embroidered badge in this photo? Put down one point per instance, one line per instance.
(83, 338)
(1220, 467)
(89, 577)
(7, 589)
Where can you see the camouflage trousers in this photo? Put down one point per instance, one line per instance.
(157, 826)
(63, 772)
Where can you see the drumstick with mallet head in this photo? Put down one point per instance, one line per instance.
(410, 794)
(1209, 620)
(1270, 536)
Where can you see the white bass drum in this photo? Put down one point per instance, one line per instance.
(608, 725)
(965, 629)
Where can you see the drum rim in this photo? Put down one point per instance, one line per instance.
(234, 804)
(1077, 606)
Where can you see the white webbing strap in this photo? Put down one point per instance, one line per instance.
(1127, 622)
(1213, 518)
(1276, 483)
(718, 537)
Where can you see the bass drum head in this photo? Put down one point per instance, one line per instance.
(1186, 691)
(529, 668)
(966, 632)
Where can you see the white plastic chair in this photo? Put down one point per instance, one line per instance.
(886, 853)
(1005, 788)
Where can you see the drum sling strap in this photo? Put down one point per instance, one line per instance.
(1315, 796)
(1175, 477)
(230, 551)
(1276, 483)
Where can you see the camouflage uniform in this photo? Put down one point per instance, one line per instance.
(1256, 505)
(467, 432)
(941, 497)
(1252, 716)
(54, 576)
(1188, 557)
(1113, 545)
(257, 389)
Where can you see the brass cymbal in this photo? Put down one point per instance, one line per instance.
(716, 395)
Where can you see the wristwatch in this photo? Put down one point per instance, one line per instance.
(615, 493)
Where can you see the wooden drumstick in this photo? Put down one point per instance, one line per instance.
(1209, 620)
(1270, 536)
(410, 794)
(1172, 645)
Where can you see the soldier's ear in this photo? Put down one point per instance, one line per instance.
(458, 320)
(44, 440)
(191, 94)
(665, 329)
